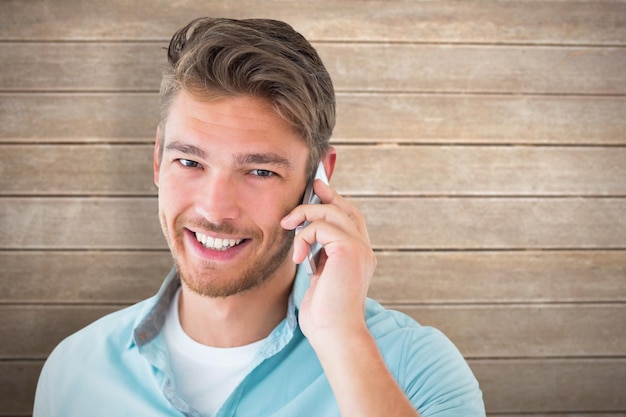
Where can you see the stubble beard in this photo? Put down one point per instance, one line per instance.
(207, 282)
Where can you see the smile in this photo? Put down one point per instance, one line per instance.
(216, 243)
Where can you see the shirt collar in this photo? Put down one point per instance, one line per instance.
(152, 318)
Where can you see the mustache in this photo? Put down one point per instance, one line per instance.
(226, 228)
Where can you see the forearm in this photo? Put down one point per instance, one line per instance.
(360, 379)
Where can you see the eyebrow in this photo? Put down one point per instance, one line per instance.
(266, 158)
(186, 149)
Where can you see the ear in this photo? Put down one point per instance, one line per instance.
(157, 161)
(329, 161)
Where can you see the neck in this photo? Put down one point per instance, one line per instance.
(236, 320)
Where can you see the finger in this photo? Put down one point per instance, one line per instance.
(319, 214)
(329, 196)
(339, 210)
(330, 237)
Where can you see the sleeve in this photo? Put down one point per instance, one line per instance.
(437, 379)
(53, 377)
(42, 406)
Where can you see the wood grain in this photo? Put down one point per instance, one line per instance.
(533, 331)
(511, 331)
(81, 277)
(46, 327)
(18, 381)
(402, 278)
(544, 386)
(362, 117)
(132, 66)
(495, 223)
(499, 277)
(432, 223)
(537, 22)
(108, 169)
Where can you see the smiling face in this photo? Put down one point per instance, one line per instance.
(230, 170)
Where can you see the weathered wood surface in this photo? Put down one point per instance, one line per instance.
(526, 22)
(560, 385)
(500, 277)
(353, 67)
(511, 331)
(422, 278)
(47, 326)
(388, 170)
(18, 380)
(435, 223)
(362, 117)
(534, 330)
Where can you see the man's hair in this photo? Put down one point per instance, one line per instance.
(212, 58)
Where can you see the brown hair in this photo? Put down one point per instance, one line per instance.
(216, 57)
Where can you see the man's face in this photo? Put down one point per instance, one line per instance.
(231, 170)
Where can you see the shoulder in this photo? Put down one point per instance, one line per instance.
(425, 362)
(108, 332)
(384, 322)
(98, 357)
(399, 334)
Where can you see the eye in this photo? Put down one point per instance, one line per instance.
(188, 163)
(264, 173)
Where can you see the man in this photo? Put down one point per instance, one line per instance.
(237, 328)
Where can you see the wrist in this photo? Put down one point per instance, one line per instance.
(339, 343)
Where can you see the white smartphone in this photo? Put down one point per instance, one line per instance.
(310, 262)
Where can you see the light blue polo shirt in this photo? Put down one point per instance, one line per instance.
(118, 366)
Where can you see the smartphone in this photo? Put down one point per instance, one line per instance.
(310, 262)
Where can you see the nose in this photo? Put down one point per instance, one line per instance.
(218, 199)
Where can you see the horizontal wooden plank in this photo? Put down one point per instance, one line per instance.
(528, 388)
(41, 328)
(77, 169)
(552, 386)
(427, 223)
(509, 331)
(476, 223)
(356, 67)
(83, 223)
(35, 330)
(476, 69)
(499, 277)
(577, 22)
(65, 66)
(362, 117)
(362, 170)
(480, 119)
(18, 382)
(401, 277)
(59, 277)
(566, 414)
(80, 116)
(479, 331)
(480, 170)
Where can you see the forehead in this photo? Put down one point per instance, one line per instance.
(229, 118)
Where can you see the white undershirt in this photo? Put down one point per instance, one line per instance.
(205, 376)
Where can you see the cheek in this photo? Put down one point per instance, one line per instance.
(171, 197)
(272, 208)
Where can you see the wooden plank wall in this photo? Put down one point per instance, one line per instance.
(484, 140)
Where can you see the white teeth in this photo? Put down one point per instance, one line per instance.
(216, 243)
